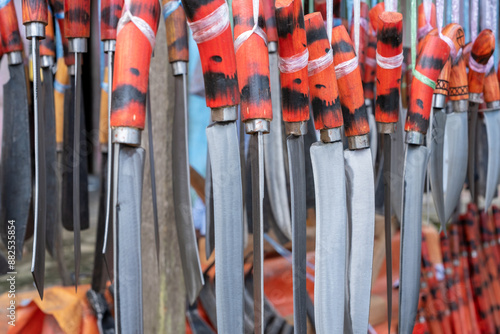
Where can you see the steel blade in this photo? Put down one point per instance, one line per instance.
(16, 158)
(296, 163)
(411, 235)
(388, 222)
(76, 168)
(129, 170)
(228, 218)
(471, 156)
(193, 276)
(437, 164)
(209, 211)
(493, 138)
(273, 156)
(456, 142)
(331, 223)
(498, 124)
(373, 134)
(397, 163)
(361, 217)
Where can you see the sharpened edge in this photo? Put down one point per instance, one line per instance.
(493, 135)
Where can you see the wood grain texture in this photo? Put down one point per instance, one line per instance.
(269, 9)
(421, 20)
(131, 68)
(111, 11)
(491, 90)
(47, 45)
(63, 78)
(350, 87)
(374, 13)
(103, 114)
(324, 95)
(9, 29)
(177, 37)
(320, 6)
(77, 18)
(482, 49)
(34, 11)
(459, 88)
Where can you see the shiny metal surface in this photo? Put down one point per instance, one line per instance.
(331, 135)
(414, 138)
(437, 164)
(126, 135)
(226, 114)
(179, 68)
(76, 167)
(359, 142)
(257, 125)
(493, 136)
(15, 58)
(35, 29)
(387, 175)
(373, 130)
(471, 154)
(296, 128)
(77, 45)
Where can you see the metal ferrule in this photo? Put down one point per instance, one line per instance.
(59, 147)
(257, 125)
(272, 47)
(368, 103)
(126, 135)
(77, 45)
(330, 135)
(104, 148)
(296, 128)
(475, 97)
(414, 138)
(71, 69)
(438, 101)
(15, 58)
(35, 29)
(386, 128)
(179, 67)
(358, 142)
(460, 106)
(109, 45)
(46, 61)
(493, 105)
(225, 114)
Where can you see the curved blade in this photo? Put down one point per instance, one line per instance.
(209, 211)
(455, 174)
(493, 135)
(436, 164)
(273, 157)
(129, 167)
(228, 218)
(361, 213)
(471, 155)
(411, 236)
(331, 223)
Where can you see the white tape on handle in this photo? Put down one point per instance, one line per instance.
(346, 67)
(294, 63)
(390, 63)
(142, 25)
(211, 25)
(255, 29)
(317, 65)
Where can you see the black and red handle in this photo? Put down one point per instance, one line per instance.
(48, 45)
(58, 8)
(34, 11)
(269, 10)
(325, 101)
(111, 11)
(176, 28)
(481, 51)
(131, 68)
(77, 18)
(9, 29)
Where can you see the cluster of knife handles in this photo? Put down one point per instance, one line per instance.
(318, 67)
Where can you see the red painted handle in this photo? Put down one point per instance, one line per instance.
(58, 8)
(176, 27)
(350, 87)
(77, 18)
(320, 6)
(491, 90)
(430, 62)
(9, 29)
(131, 71)
(47, 45)
(421, 22)
(374, 13)
(363, 35)
(111, 11)
(389, 45)
(35, 11)
(269, 9)
(252, 63)
(481, 51)
(323, 88)
(218, 60)
(370, 66)
(292, 42)
(458, 86)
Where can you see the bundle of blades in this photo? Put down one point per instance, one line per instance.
(360, 192)
(16, 181)
(327, 156)
(134, 46)
(432, 57)
(209, 22)
(178, 56)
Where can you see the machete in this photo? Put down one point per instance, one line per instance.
(430, 61)
(292, 63)
(209, 23)
(178, 56)
(135, 40)
(252, 65)
(327, 156)
(16, 157)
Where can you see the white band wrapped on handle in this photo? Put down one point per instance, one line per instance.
(390, 63)
(372, 62)
(346, 67)
(142, 25)
(317, 65)
(256, 29)
(294, 63)
(211, 25)
(422, 31)
(479, 68)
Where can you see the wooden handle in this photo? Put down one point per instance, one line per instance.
(58, 8)
(370, 66)
(422, 20)
(61, 77)
(111, 11)
(77, 18)
(491, 90)
(374, 13)
(9, 30)
(34, 11)
(363, 36)
(48, 45)
(320, 6)
(323, 88)
(292, 42)
(176, 28)
(458, 86)
(430, 62)
(481, 51)
(269, 9)
(389, 44)
(442, 83)
(103, 115)
(350, 86)
(218, 60)
(131, 69)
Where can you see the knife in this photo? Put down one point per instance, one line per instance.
(429, 63)
(209, 22)
(16, 156)
(327, 156)
(426, 19)
(178, 56)
(292, 62)
(135, 40)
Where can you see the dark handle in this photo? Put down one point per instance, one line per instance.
(77, 18)
(323, 88)
(481, 51)
(111, 11)
(350, 87)
(176, 27)
(34, 11)
(47, 45)
(252, 63)
(389, 44)
(131, 68)
(9, 29)
(292, 41)
(269, 9)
